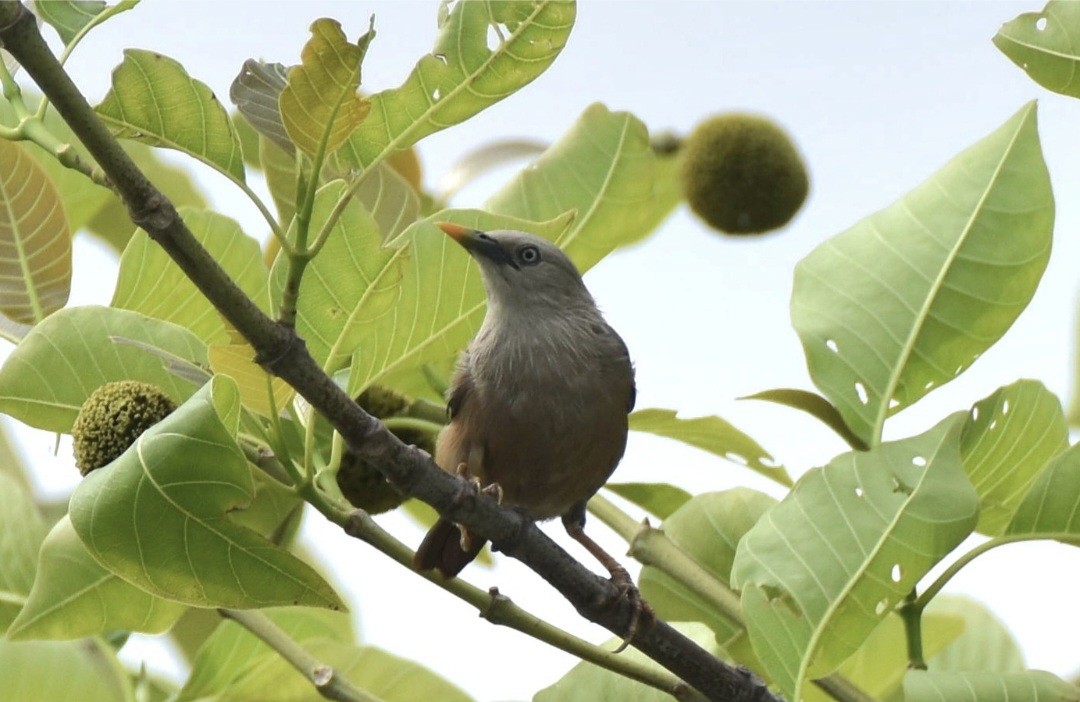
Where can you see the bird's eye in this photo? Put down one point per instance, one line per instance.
(529, 255)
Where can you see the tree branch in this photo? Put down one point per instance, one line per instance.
(281, 352)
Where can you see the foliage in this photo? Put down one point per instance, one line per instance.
(825, 590)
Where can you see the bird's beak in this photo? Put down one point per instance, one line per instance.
(477, 243)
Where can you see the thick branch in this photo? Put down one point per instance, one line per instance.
(281, 352)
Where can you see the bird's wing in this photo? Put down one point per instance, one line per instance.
(461, 387)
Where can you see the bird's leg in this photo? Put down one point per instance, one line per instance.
(475, 487)
(575, 527)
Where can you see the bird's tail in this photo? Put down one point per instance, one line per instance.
(441, 549)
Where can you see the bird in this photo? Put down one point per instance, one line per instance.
(539, 402)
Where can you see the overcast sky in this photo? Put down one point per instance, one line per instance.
(877, 96)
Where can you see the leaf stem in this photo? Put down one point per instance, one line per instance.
(325, 679)
(911, 615)
(413, 424)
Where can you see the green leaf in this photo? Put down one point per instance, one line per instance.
(280, 169)
(47, 671)
(1008, 440)
(74, 597)
(255, 92)
(154, 100)
(231, 654)
(605, 169)
(909, 297)
(659, 499)
(68, 17)
(389, 198)
(985, 643)
(1029, 686)
(462, 76)
(708, 528)
(237, 360)
(1051, 507)
(440, 303)
(821, 570)
(50, 374)
(711, 434)
(319, 105)
(21, 533)
(151, 283)
(816, 406)
(157, 516)
(35, 242)
(1045, 44)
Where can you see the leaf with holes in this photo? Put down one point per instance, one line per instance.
(35, 243)
(47, 671)
(1045, 44)
(74, 596)
(816, 406)
(1051, 507)
(1029, 686)
(1008, 440)
(606, 170)
(50, 374)
(821, 570)
(319, 105)
(154, 100)
(486, 50)
(909, 297)
(151, 283)
(157, 516)
(659, 499)
(441, 299)
(711, 434)
(21, 533)
(255, 92)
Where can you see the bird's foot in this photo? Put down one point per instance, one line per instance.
(474, 488)
(640, 609)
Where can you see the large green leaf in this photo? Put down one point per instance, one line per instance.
(47, 671)
(605, 169)
(711, 434)
(985, 643)
(74, 597)
(319, 105)
(1006, 443)
(21, 533)
(441, 299)
(389, 198)
(50, 374)
(909, 297)
(462, 76)
(35, 242)
(154, 100)
(157, 516)
(1029, 686)
(1047, 45)
(821, 570)
(1051, 507)
(151, 283)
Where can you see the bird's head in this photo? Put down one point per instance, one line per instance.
(522, 271)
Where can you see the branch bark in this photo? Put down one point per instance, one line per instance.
(283, 353)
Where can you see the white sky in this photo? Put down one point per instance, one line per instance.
(877, 95)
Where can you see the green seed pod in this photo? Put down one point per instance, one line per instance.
(742, 174)
(113, 417)
(361, 484)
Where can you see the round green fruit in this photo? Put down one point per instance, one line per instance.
(113, 417)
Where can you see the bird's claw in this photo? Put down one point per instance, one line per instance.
(639, 607)
(474, 487)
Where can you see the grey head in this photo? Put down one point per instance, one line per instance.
(523, 272)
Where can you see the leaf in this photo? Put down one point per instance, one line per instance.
(157, 516)
(606, 170)
(1007, 441)
(237, 360)
(50, 374)
(440, 299)
(21, 533)
(1029, 686)
(1045, 45)
(46, 671)
(711, 434)
(462, 76)
(319, 105)
(154, 100)
(280, 169)
(484, 159)
(985, 643)
(909, 297)
(821, 570)
(816, 406)
(659, 499)
(35, 242)
(71, 17)
(151, 283)
(389, 198)
(255, 92)
(708, 529)
(1051, 507)
(74, 597)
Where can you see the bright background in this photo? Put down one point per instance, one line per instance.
(877, 96)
